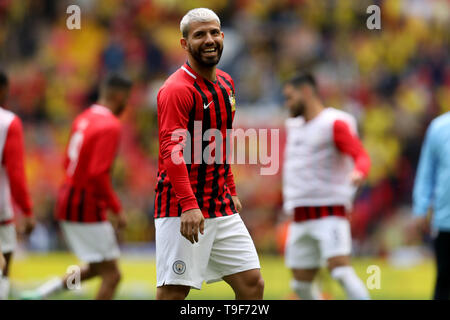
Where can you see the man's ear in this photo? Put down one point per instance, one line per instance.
(183, 43)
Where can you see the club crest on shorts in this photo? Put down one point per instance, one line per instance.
(179, 267)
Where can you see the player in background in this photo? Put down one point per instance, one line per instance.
(2, 261)
(324, 163)
(13, 186)
(87, 194)
(432, 191)
(200, 197)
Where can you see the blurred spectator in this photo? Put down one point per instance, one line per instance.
(394, 80)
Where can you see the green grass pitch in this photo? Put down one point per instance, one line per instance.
(139, 278)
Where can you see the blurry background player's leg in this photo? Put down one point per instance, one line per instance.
(107, 270)
(4, 277)
(303, 284)
(2, 262)
(2, 266)
(342, 271)
(442, 252)
(110, 274)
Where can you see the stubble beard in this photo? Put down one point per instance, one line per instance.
(196, 54)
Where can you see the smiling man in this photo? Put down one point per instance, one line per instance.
(199, 233)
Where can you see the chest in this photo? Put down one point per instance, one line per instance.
(306, 139)
(214, 105)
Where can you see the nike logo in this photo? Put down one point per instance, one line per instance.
(205, 106)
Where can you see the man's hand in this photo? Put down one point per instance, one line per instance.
(237, 203)
(28, 225)
(421, 225)
(121, 221)
(192, 221)
(357, 178)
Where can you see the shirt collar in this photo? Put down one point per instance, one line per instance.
(98, 108)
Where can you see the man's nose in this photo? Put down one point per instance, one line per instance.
(209, 39)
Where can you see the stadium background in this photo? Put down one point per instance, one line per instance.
(394, 80)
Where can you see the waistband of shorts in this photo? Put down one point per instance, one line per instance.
(312, 213)
(5, 222)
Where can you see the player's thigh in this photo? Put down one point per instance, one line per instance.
(334, 238)
(338, 261)
(233, 250)
(178, 261)
(106, 268)
(172, 292)
(91, 242)
(245, 280)
(302, 251)
(306, 275)
(2, 261)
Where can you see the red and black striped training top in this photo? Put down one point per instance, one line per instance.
(190, 105)
(87, 192)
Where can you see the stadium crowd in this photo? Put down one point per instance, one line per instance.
(394, 80)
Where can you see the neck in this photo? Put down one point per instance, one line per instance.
(313, 109)
(206, 72)
(105, 103)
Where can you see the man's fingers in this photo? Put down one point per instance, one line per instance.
(202, 226)
(195, 232)
(189, 233)
(182, 229)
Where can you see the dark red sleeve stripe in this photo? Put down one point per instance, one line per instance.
(311, 213)
(81, 206)
(169, 190)
(69, 204)
(158, 196)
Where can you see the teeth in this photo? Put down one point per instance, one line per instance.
(210, 50)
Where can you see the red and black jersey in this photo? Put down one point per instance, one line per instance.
(190, 105)
(87, 192)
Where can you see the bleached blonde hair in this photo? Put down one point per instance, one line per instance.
(197, 15)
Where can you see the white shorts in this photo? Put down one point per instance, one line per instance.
(225, 248)
(310, 243)
(91, 242)
(8, 238)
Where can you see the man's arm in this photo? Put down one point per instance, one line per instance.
(13, 160)
(425, 177)
(173, 115)
(348, 143)
(173, 112)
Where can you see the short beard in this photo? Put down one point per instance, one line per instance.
(298, 111)
(198, 57)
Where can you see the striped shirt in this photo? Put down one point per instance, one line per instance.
(190, 104)
(86, 192)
